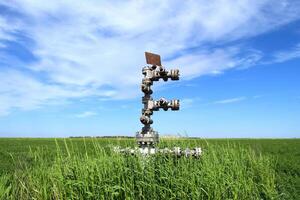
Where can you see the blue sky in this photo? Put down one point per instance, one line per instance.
(70, 68)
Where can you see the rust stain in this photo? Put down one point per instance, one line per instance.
(153, 59)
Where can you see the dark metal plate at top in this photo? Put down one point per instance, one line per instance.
(153, 59)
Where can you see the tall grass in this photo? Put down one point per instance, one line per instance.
(223, 172)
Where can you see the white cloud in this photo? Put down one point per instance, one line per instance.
(6, 29)
(86, 114)
(231, 100)
(83, 47)
(282, 56)
(213, 62)
(22, 91)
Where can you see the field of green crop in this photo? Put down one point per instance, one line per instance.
(88, 169)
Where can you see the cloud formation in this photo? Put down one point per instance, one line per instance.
(282, 56)
(231, 100)
(95, 48)
(85, 114)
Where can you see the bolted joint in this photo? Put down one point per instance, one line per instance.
(147, 81)
(147, 112)
(174, 74)
(146, 89)
(165, 104)
(174, 104)
(155, 75)
(146, 120)
(153, 67)
(147, 138)
(144, 70)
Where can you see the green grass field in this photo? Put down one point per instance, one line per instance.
(88, 169)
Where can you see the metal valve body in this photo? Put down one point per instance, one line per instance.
(147, 137)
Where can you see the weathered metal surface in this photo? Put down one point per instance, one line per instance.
(153, 59)
(147, 137)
